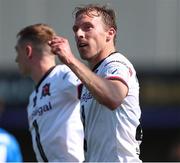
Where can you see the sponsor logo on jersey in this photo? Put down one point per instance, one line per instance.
(121, 62)
(41, 110)
(45, 90)
(64, 76)
(86, 96)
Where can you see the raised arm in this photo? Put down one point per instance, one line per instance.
(107, 92)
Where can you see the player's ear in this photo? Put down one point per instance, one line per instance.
(28, 51)
(110, 34)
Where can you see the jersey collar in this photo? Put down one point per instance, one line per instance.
(99, 63)
(45, 75)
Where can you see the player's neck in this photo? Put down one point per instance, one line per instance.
(101, 56)
(40, 71)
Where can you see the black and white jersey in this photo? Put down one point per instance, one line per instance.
(54, 117)
(113, 136)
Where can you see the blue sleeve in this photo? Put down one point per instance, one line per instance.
(13, 151)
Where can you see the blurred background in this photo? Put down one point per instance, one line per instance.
(148, 34)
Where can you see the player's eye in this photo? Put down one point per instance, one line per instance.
(87, 27)
(75, 28)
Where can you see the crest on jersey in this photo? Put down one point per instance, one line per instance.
(45, 90)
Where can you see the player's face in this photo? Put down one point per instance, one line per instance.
(21, 60)
(90, 36)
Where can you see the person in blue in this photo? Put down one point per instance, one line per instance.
(9, 147)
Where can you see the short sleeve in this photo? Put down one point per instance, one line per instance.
(71, 83)
(117, 70)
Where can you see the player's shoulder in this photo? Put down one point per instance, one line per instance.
(6, 137)
(58, 73)
(117, 56)
(64, 73)
(61, 69)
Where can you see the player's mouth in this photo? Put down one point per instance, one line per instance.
(82, 45)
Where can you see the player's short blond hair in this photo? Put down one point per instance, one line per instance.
(37, 34)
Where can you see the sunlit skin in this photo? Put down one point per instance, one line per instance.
(95, 41)
(103, 87)
(93, 38)
(34, 64)
(22, 60)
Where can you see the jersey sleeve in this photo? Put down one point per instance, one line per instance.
(118, 70)
(14, 151)
(71, 83)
